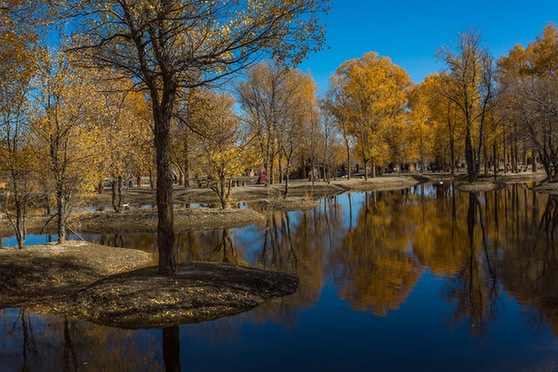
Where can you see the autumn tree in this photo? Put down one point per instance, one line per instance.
(183, 135)
(122, 116)
(18, 40)
(170, 45)
(421, 120)
(218, 135)
(330, 142)
(371, 94)
(436, 128)
(530, 100)
(299, 112)
(333, 105)
(471, 87)
(65, 131)
(259, 97)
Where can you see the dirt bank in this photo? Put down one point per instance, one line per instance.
(96, 283)
(198, 292)
(141, 215)
(36, 274)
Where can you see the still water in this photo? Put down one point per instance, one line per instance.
(427, 278)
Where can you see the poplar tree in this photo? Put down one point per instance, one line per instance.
(170, 45)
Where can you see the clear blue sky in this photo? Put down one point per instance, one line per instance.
(410, 32)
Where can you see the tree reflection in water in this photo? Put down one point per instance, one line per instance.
(373, 267)
(32, 342)
(530, 265)
(171, 349)
(474, 288)
(370, 249)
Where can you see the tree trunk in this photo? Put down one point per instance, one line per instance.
(495, 160)
(452, 155)
(165, 227)
(485, 155)
(20, 224)
(287, 177)
(280, 168)
(303, 162)
(61, 223)
(470, 156)
(186, 156)
(348, 148)
(116, 190)
(151, 177)
(533, 161)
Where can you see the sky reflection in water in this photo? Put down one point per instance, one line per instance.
(426, 278)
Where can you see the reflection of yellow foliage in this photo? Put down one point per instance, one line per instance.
(376, 271)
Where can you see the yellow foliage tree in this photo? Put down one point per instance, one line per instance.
(371, 93)
(66, 132)
(220, 140)
(123, 117)
(529, 104)
(471, 87)
(171, 45)
(18, 66)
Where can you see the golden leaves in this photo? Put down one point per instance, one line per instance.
(370, 94)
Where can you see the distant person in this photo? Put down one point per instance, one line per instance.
(261, 178)
(138, 181)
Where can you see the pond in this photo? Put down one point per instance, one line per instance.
(426, 278)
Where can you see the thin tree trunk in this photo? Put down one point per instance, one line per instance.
(61, 205)
(186, 165)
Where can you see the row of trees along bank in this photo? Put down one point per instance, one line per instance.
(132, 90)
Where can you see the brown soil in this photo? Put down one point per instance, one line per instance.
(486, 183)
(95, 283)
(199, 291)
(35, 275)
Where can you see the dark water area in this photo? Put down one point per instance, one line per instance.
(427, 278)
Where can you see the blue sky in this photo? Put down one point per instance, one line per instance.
(410, 32)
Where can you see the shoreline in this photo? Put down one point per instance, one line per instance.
(72, 278)
(191, 211)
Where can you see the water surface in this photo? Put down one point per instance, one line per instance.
(426, 278)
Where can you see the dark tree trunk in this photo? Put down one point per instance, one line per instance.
(470, 157)
(165, 227)
(61, 205)
(186, 157)
(533, 161)
(116, 189)
(495, 160)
